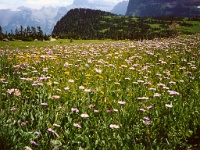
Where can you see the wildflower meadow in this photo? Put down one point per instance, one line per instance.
(111, 95)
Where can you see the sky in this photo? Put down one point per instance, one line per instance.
(37, 4)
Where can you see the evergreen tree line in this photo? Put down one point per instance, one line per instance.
(24, 33)
(95, 24)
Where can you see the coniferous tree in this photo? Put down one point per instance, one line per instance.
(34, 33)
(39, 33)
(16, 34)
(26, 34)
(21, 31)
(1, 33)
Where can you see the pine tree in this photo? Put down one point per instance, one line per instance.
(40, 33)
(1, 33)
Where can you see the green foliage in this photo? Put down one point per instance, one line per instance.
(24, 34)
(96, 24)
(1, 33)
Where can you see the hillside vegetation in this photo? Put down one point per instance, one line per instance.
(95, 24)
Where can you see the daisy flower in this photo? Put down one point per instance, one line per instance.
(114, 126)
(84, 115)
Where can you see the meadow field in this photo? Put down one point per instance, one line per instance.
(116, 95)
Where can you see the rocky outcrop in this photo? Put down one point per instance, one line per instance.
(147, 8)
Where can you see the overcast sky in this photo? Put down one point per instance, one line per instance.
(37, 4)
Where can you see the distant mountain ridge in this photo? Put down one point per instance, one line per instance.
(45, 17)
(146, 8)
(120, 8)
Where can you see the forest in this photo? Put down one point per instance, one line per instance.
(24, 33)
(96, 24)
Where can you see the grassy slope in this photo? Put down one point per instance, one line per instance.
(25, 45)
(194, 28)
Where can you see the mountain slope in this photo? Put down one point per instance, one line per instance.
(184, 8)
(46, 17)
(43, 17)
(90, 24)
(80, 21)
(120, 8)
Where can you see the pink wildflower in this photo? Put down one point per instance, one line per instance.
(150, 107)
(172, 92)
(52, 131)
(77, 125)
(142, 109)
(44, 104)
(75, 110)
(108, 111)
(146, 120)
(96, 111)
(115, 110)
(55, 97)
(34, 143)
(168, 105)
(56, 125)
(91, 106)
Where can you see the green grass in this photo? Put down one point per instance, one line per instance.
(155, 25)
(137, 94)
(194, 28)
(104, 30)
(25, 45)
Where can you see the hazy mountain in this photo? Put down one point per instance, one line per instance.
(43, 17)
(46, 17)
(184, 8)
(105, 5)
(120, 8)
